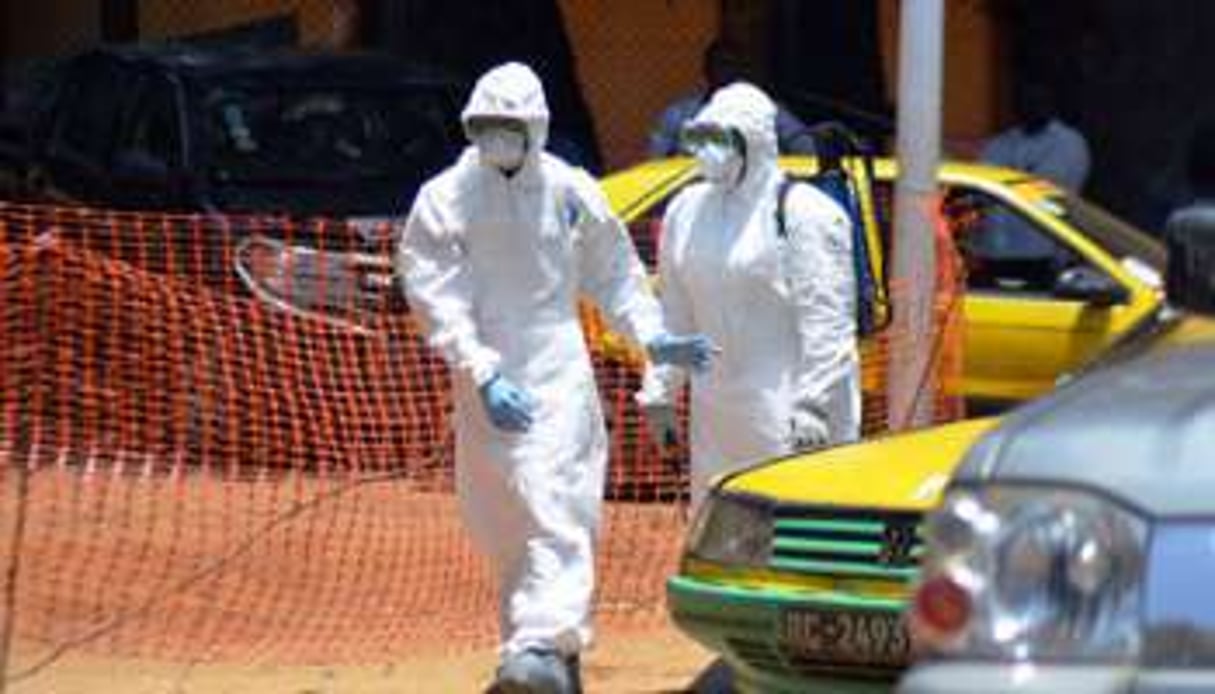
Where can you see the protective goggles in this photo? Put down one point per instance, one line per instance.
(695, 137)
(475, 127)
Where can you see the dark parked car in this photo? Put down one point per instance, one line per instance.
(178, 128)
(326, 149)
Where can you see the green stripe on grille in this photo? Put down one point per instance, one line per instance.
(796, 544)
(843, 568)
(827, 525)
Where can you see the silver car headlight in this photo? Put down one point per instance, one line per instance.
(732, 529)
(1023, 573)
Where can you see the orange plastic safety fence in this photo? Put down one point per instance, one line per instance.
(223, 439)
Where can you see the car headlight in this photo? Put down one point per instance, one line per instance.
(1023, 572)
(732, 529)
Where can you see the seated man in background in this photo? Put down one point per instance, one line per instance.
(719, 68)
(1039, 143)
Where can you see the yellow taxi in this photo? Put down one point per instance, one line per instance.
(1026, 320)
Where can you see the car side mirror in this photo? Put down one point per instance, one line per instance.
(1091, 286)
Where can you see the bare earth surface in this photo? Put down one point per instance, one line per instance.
(659, 661)
(135, 583)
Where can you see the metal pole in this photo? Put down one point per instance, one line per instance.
(918, 146)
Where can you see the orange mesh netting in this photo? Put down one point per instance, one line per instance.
(224, 440)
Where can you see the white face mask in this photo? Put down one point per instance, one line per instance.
(502, 148)
(721, 164)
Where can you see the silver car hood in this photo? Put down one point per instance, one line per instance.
(1143, 431)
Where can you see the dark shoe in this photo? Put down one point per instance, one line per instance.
(573, 665)
(535, 672)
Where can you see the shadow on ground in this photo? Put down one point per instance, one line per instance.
(714, 679)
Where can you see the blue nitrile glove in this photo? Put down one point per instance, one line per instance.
(510, 408)
(689, 351)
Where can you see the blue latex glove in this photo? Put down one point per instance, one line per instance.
(510, 408)
(689, 351)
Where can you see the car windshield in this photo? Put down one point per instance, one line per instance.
(1137, 251)
(275, 134)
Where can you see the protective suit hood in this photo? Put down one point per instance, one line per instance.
(745, 108)
(514, 91)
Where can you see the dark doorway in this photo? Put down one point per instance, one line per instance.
(471, 36)
(1132, 77)
(5, 10)
(119, 20)
(826, 62)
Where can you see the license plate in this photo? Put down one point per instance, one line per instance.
(846, 638)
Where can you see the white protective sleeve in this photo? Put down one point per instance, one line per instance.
(661, 383)
(609, 269)
(433, 263)
(823, 287)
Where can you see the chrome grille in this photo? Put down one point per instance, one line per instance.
(884, 545)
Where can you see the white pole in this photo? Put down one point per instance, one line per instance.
(918, 146)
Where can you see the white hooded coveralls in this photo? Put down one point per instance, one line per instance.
(782, 310)
(494, 266)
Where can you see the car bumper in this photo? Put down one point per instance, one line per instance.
(744, 626)
(1003, 678)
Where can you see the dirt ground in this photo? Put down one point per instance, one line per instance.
(657, 662)
(148, 584)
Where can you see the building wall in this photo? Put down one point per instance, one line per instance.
(633, 58)
(42, 28)
(975, 72)
(166, 18)
(1134, 78)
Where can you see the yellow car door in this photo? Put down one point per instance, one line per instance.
(1016, 349)
(1050, 292)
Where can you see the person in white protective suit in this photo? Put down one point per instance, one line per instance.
(494, 255)
(781, 306)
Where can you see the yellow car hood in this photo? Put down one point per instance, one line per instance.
(903, 471)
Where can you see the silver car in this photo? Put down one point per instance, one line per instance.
(1075, 549)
